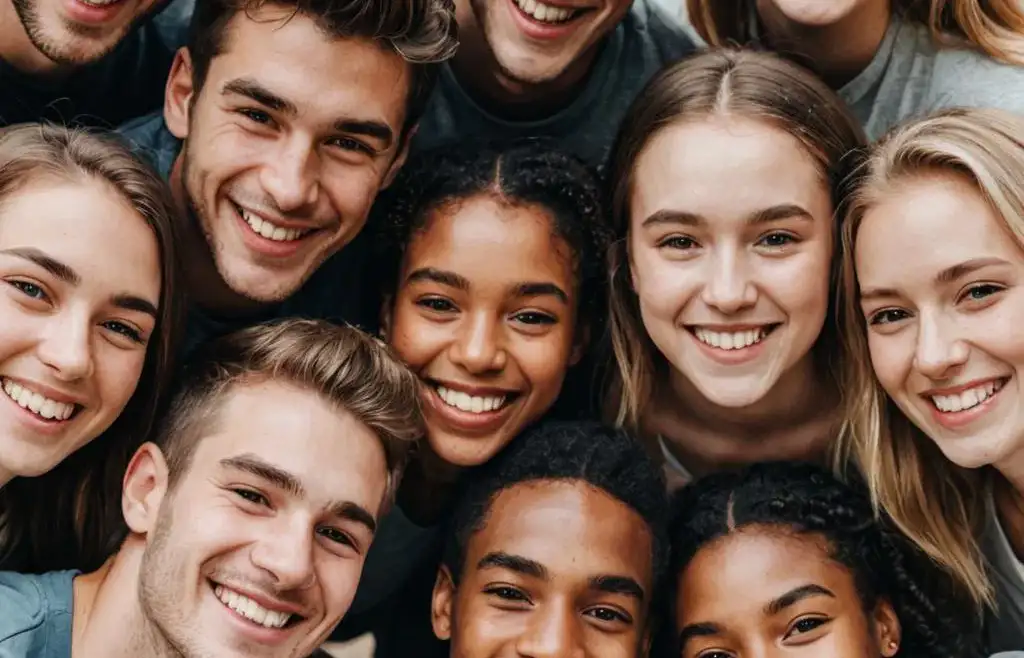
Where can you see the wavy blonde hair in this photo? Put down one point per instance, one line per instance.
(939, 505)
(994, 27)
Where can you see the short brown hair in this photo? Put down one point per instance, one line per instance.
(423, 32)
(342, 364)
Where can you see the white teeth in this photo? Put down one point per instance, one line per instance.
(545, 13)
(968, 399)
(736, 340)
(100, 3)
(36, 403)
(472, 403)
(251, 610)
(271, 231)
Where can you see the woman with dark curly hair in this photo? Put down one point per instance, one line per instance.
(783, 559)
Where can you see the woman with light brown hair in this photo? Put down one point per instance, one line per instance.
(726, 176)
(88, 327)
(890, 60)
(933, 307)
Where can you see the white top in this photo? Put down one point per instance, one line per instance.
(1007, 574)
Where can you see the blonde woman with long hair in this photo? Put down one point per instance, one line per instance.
(890, 60)
(933, 311)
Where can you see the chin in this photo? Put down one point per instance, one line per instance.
(734, 396)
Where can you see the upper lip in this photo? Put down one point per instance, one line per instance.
(469, 389)
(956, 390)
(562, 5)
(277, 220)
(267, 602)
(726, 328)
(45, 391)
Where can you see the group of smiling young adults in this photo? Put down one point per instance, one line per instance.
(512, 328)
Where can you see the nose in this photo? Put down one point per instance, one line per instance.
(286, 554)
(478, 345)
(728, 288)
(291, 175)
(940, 354)
(552, 633)
(66, 347)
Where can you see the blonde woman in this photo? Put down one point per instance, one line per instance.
(933, 288)
(890, 60)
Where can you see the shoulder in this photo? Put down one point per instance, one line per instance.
(971, 79)
(149, 138)
(28, 601)
(657, 27)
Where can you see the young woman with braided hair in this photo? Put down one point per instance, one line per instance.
(783, 559)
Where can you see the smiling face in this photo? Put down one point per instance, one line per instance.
(257, 547)
(287, 145)
(485, 314)
(943, 322)
(558, 569)
(761, 593)
(79, 290)
(730, 246)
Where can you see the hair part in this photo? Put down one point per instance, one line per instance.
(71, 516)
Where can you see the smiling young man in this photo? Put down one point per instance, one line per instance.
(282, 122)
(250, 517)
(563, 69)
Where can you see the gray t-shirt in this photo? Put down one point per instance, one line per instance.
(911, 76)
(1006, 627)
(646, 40)
(35, 614)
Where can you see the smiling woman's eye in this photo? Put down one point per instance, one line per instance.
(437, 304)
(806, 625)
(29, 289)
(680, 242)
(534, 317)
(979, 292)
(610, 615)
(777, 239)
(887, 316)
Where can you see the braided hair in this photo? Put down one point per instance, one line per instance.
(806, 499)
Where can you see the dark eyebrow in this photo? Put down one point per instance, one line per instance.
(133, 303)
(537, 289)
(443, 277)
(257, 92)
(953, 273)
(618, 585)
(357, 513)
(375, 129)
(51, 265)
(500, 560)
(697, 630)
(673, 217)
(779, 212)
(795, 596)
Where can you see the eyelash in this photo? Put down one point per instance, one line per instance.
(673, 242)
(884, 316)
(789, 239)
(251, 496)
(36, 292)
(506, 593)
(25, 287)
(816, 622)
(991, 289)
(346, 143)
(436, 304)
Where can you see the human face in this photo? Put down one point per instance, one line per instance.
(815, 13)
(558, 569)
(761, 593)
(730, 250)
(485, 314)
(536, 43)
(269, 525)
(289, 140)
(79, 32)
(79, 290)
(943, 315)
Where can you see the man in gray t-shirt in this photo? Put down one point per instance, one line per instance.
(526, 69)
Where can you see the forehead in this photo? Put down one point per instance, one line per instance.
(335, 456)
(916, 210)
(724, 167)
(573, 529)
(325, 76)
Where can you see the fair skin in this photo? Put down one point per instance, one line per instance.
(559, 569)
(763, 592)
(733, 288)
(280, 169)
(284, 524)
(79, 291)
(524, 60)
(943, 324)
(54, 37)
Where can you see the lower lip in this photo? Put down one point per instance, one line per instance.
(85, 13)
(958, 419)
(467, 421)
(266, 246)
(732, 357)
(252, 630)
(535, 29)
(33, 421)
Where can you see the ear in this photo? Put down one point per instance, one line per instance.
(385, 317)
(400, 157)
(441, 604)
(144, 488)
(178, 94)
(887, 629)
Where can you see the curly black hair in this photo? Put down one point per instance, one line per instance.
(605, 458)
(803, 498)
(530, 172)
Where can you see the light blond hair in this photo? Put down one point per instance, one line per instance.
(994, 27)
(937, 504)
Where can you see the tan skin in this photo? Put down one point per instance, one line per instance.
(560, 569)
(761, 592)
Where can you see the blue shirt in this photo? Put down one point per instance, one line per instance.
(35, 614)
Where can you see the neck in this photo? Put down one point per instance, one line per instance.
(17, 49)
(838, 52)
(5, 477)
(427, 487)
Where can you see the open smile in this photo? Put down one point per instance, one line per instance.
(269, 230)
(249, 610)
(548, 14)
(738, 339)
(39, 405)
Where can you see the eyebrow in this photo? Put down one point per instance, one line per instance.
(948, 275)
(794, 596)
(290, 484)
(541, 289)
(517, 563)
(618, 585)
(444, 277)
(375, 129)
(691, 631)
(763, 216)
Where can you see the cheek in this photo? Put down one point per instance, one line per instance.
(352, 189)
(891, 359)
(118, 372)
(661, 285)
(544, 361)
(416, 340)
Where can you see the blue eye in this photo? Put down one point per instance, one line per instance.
(29, 289)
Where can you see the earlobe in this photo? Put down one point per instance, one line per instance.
(441, 604)
(178, 95)
(144, 488)
(887, 628)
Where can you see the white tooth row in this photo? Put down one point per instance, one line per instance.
(966, 400)
(473, 403)
(730, 341)
(100, 3)
(251, 610)
(271, 231)
(545, 13)
(38, 404)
